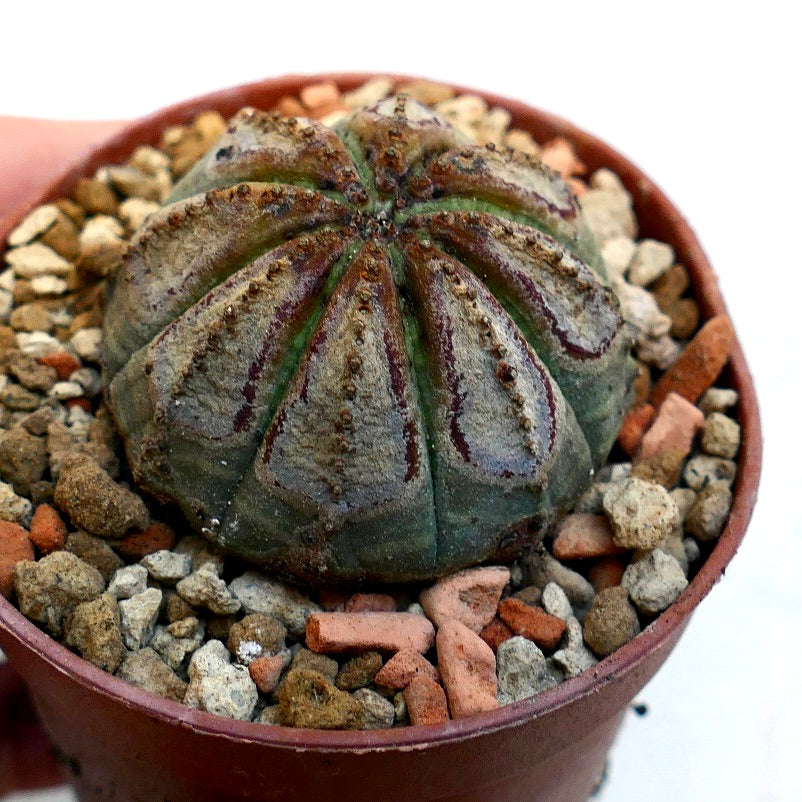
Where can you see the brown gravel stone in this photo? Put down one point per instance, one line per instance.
(48, 531)
(93, 630)
(611, 621)
(19, 399)
(532, 622)
(699, 364)
(94, 551)
(402, 667)
(176, 608)
(670, 286)
(709, 511)
(307, 659)
(359, 671)
(23, 459)
(15, 546)
(219, 626)
(50, 589)
(95, 502)
(29, 372)
(95, 197)
(663, 468)
(426, 701)
(145, 669)
(62, 237)
(428, 92)
(307, 699)
(256, 635)
(531, 595)
(684, 314)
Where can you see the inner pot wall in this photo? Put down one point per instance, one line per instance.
(125, 744)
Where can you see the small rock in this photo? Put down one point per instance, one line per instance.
(635, 423)
(555, 602)
(654, 582)
(674, 428)
(48, 531)
(606, 573)
(378, 712)
(15, 546)
(203, 588)
(94, 501)
(93, 630)
(87, 344)
(685, 315)
(184, 628)
(359, 671)
(102, 246)
(218, 687)
(662, 468)
(63, 362)
(703, 470)
(611, 621)
(532, 622)
(522, 670)
(37, 343)
(641, 513)
(369, 93)
(36, 259)
(23, 459)
(309, 660)
(427, 92)
(135, 211)
(145, 669)
(177, 608)
(467, 666)
(640, 310)
(95, 552)
(260, 594)
(721, 436)
(559, 154)
(95, 197)
(201, 551)
(266, 672)
(684, 498)
(699, 364)
(582, 536)
(256, 635)
(138, 616)
(370, 602)
(574, 657)
(609, 214)
(156, 537)
(33, 224)
(617, 253)
(172, 650)
(470, 596)
(692, 550)
(495, 633)
(717, 399)
(45, 286)
(13, 507)
(135, 183)
(402, 667)
(650, 261)
(308, 699)
(268, 715)
(661, 352)
(131, 580)
(541, 568)
(166, 566)
(425, 701)
(31, 317)
(385, 632)
(709, 512)
(50, 589)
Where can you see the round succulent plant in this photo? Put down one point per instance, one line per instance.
(370, 352)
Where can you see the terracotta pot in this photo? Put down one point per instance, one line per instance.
(124, 744)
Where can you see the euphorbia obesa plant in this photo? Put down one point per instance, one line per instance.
(370, 352)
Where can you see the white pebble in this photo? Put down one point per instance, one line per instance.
(49, 285)
(617, 253)
(62, 391)
(138, 616)
(217, 686)
(574, 657)
(86, 343)
(131, 580)
(38, 343)
(522, 670)
(167, 566)
(34, 224)
(654, 582)
(651, 260)
(639, 309)
(90, 380)
(555, 602)
(36, 259)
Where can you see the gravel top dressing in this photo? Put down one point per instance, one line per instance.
(124, 583)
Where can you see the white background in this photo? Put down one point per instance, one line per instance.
(704, 97)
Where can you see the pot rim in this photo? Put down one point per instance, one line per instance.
(593, 152)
